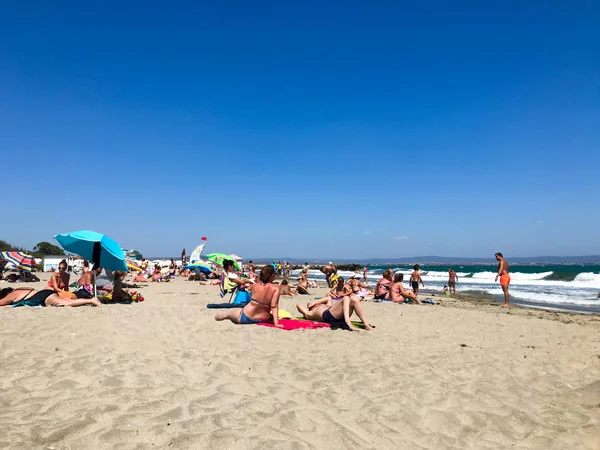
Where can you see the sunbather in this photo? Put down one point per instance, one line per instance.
(359, 289)
(46, 297)
(87, 280)
(339, 290)
(264, 306)
(286, 289)
(337, 314)
(397, 292)
(382, 290)
(119, 293)
(60, 280)
(303, 283)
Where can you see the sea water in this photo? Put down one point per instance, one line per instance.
(565, 286)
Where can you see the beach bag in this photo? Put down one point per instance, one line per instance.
(83, 293)
(242, 298)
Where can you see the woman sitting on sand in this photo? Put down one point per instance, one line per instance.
(46, 297)
(382, 290)
(264, 306)
(337, 314)
(398, 294)
(339, 290)
(286, 289)
(60, 280)
(359, 289)
(88, 279)
(303, 283)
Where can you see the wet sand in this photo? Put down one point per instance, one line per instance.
(163, 374)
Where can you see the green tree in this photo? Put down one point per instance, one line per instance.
(46, 248)
(6, 247)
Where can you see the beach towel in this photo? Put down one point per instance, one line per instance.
(293, 324)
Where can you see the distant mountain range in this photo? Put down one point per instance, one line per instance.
(591, 259)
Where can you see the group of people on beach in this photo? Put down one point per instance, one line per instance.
(334, 309)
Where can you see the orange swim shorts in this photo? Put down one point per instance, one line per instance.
(504, 279)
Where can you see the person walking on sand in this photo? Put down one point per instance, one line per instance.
(452, 279)
(504, 275)
(415, 279)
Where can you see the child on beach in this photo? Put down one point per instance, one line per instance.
(415, 279)
(119, 293)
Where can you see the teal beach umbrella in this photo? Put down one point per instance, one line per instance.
(98, 248)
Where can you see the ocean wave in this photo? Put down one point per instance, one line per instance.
(561, 276)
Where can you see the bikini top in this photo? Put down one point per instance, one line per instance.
(261, 303)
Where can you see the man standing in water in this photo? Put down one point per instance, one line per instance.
(504, 276)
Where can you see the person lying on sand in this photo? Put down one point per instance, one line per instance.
(264, 306)
(337, 314)
(140, 279)
(46, 297)
(382, 290)
(398, 294)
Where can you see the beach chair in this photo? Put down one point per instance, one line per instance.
(226, 286)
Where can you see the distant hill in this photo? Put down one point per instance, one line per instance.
(591, 259)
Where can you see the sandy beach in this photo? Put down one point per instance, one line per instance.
(462, 374)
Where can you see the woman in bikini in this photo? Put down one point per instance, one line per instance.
(264, 306)
(46, 297)
(359, 289)
(303, 283)
(398, 294)
(382, 290)
(60, 280)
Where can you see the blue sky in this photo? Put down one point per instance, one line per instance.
(304, 129)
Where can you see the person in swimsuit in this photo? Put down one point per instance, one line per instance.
(264, 306)
(397, 292)
(46, 297)
(60, 280)
(183, 258)
(452, 279)
(303, 283)
(337, 314)
(365, 273)
(339, 291)
(286, 289)
(415, 279)
(87, 280)
(358, 289)
(382, 289)
(251, 272)
(330, 271)
(504, 275)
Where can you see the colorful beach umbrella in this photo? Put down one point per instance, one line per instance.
(98, 248)
(204, 267)
(20, 260)
(218, 258)
(132, 266)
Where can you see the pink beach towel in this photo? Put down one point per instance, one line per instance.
(292, 324)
